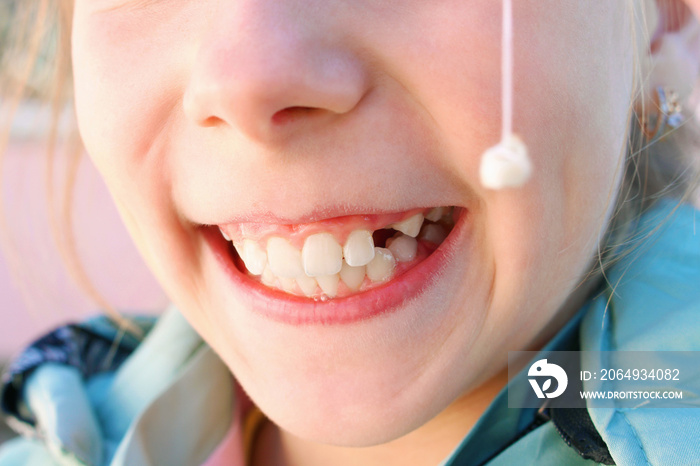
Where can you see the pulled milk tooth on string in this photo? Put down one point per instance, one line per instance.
(506, 165)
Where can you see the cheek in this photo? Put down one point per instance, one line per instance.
(573, 90)
(451, 74)
(128, 101)
(128, 85)
(127, 97)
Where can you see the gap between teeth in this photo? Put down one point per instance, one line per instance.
(322, 263)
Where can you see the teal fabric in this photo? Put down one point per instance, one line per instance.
(26, 452)
(56, 393)
(652, 303)
(655, 306)
(500, 425)
(170, 402)
(544, 446)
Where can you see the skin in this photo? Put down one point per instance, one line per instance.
(249, 108)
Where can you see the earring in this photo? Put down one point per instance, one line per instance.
(664, 117)
(506, 165)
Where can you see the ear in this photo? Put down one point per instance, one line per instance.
(694, 6)
(674, 52)
(674, 14)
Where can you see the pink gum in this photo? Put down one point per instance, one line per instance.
(339, 227)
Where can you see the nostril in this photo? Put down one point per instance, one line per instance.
(211, 121)
(291, 114)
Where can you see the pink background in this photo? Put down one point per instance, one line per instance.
(38, 294)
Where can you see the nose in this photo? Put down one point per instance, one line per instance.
(266, 68)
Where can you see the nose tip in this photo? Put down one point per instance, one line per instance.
(269, 83)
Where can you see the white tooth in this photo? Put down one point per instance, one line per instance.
(254, 257)
(224, 235)
(288, 284)
(388, 241)
(307, 285)
(284, 259)
(410, 226)
(436, 214)
(403, 248)
(382, 266)
(359, 248)
(321, 255)
(329, 284)
(433, 233)
(268, 278)
(353, 276)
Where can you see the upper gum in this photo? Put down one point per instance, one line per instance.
(339, 227)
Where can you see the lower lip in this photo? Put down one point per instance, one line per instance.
(385, 299)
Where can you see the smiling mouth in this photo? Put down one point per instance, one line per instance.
(339, 257)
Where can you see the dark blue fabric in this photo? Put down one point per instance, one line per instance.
(95, 346)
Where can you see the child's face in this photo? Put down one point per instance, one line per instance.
(214, 112)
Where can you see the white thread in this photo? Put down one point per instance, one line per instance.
(507, 70)
(506, 165)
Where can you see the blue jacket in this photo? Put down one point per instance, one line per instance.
(81, 399)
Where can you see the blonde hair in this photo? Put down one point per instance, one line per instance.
(666, 168)
(35, 63)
